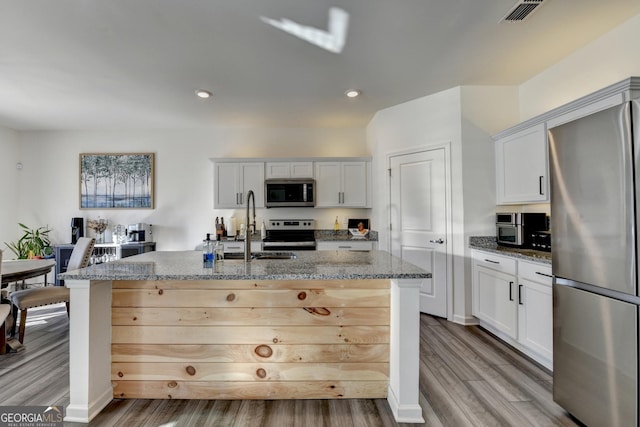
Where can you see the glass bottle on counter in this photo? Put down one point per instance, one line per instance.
(207, 252)
(218, 251)
(336, 225)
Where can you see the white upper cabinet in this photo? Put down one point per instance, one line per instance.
(232, 181)
(522, 167)
(289, 170)
(342, 184)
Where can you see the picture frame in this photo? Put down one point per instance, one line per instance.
(117, 180)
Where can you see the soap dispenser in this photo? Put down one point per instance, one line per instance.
(207, 252)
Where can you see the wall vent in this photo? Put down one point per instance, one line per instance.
(521, 10)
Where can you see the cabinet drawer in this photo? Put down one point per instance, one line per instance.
(536, 272)
(345, 246)
(495, 262)
(234, 247)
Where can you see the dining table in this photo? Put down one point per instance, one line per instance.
(22, 269)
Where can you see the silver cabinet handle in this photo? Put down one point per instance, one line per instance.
(439, 241)
(510, 291)
(540, 183)
(344, 247)
(492, 261)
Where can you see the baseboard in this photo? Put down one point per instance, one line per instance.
(465, 320)
(84, 414)
(404, 413)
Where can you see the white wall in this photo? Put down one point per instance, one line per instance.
(183, 214)
(9, 188)
(607, 60)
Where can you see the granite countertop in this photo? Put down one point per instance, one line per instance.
(308, 265)
(488, 243)
(343, 235)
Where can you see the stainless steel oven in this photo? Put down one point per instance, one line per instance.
(290, 235)
(516, 228)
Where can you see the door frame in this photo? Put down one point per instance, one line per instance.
(448, 211)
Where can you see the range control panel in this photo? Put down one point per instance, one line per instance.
(292, 224)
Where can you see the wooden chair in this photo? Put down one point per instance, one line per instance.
(36, 297)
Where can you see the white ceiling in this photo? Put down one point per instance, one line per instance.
(135, 64)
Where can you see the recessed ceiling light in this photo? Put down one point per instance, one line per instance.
(352, 93)
(203, 94)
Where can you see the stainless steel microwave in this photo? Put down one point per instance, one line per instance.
(515, 229)
(293, 192)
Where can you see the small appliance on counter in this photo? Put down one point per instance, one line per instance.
(140, 232)
(516, 228)
(77, 229)
(541, 241)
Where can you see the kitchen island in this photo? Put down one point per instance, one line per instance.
(327, 324)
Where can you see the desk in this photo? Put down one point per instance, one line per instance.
(23, 269)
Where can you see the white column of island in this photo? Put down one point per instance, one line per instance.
(325, 325)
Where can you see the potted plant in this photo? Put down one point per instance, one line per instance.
(34, 243)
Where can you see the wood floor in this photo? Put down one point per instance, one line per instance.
(467, 378)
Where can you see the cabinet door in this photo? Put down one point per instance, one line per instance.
(522, 167)
(277, 170)
(328, 188)
(232, 181)
(354, 184)
(252, 178)
(225, 185)
(535, 317)
(494, 299)
(301, 169)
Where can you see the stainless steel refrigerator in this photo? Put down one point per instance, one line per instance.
(595, 196)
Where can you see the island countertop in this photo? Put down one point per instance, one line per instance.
(308, 265)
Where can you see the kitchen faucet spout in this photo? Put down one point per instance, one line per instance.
(250, 227)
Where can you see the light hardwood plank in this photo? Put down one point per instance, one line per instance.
(250, 390)
(252, 284)
(250, 335)
(272, 316)
(249, 371)
(250, 298)
(243, 353)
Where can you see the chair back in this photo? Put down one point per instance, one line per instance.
(81, 253)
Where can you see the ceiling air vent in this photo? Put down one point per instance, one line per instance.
(521, 10)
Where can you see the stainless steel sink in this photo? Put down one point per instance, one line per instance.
(260, 255)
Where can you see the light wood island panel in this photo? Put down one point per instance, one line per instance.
(250, 339)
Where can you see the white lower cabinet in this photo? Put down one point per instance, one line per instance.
(513, 299)
(535, 309)
(494, 283)
(347, 245)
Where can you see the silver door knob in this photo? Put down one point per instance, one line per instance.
(439, 241)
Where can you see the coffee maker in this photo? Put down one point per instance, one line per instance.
(77, 229)
(140, 232)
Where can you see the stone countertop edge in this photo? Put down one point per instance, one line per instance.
(321, 235)
(488, 243)
(308, 265)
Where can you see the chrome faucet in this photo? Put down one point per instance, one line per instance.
(250, 230)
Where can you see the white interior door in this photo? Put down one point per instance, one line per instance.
(419, 221)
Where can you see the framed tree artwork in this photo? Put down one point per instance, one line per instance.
(116, 181)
